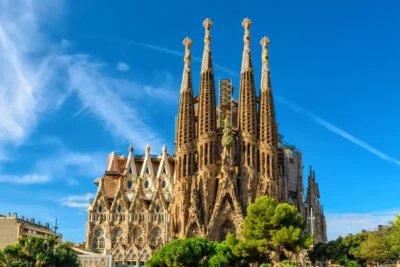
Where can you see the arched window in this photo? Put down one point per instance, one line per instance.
(129, 184)
(119, 208)
(98, 237)
(146, 184)
(164, 184)
(100, 208)
(117, 236)
(155, 234)
(137, 233)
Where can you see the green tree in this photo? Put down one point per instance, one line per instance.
(34, 251)
(270, 231)
(195, 251)
(376, 248)
(394, 238)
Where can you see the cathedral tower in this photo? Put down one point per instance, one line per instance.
(185, 147)
(268, 184)
(207, 120)
(248, 124)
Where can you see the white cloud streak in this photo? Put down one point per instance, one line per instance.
(77, 201)
(24, 179)
(36, 76)
(342, 224)
(337, 130)
(163, 50)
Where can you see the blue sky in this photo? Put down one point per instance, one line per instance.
(79, 79)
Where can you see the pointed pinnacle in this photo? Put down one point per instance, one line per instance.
(207, 24)
(187, 43)
(246, 24)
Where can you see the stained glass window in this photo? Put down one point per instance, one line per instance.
(129, 184)
(146, 184)
(164, 184)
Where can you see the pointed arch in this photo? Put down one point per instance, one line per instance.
(117, 236)
(98, 240)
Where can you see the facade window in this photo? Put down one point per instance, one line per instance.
(98, 238)
(138, 233)
(117, 236)
(119, 209)
(102, 242)
(129, 184)
(158, 208)
(164, 184)
(100, 208)
(146, 184)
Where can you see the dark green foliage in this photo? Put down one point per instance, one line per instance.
(192, 252)
(356, 250)
(34, 251)
(270, 230)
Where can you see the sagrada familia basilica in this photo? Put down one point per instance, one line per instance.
(225, 157)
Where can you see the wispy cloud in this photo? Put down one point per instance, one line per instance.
(36, 76)
(77, 201)
(121, 66)
(337, 130)
(24, 179)
(342, 224)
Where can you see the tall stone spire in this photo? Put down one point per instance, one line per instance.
(248, 122)
(207, 121)
(185, 147)
(268, 130)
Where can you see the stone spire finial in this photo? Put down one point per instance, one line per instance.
(148, 148)
(265, 42)
(207, 23)
(131, 148)
(246, 24)
(187, 43)
(164, 149)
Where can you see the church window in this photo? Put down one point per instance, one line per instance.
(117, 236)
(157, 208)
(147, 171)
(146, 184)
(119, 208)
(100, 208)
(129, 184)
(130, 171)
(164, 184)
(156, 233)
(98, 238)
(102, 242)
(164, 171)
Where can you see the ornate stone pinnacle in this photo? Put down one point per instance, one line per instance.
(246, 24)
(187, 43)
(164, 149)
(131, 148)
(148, 148)
(264, 42)
(207, 23)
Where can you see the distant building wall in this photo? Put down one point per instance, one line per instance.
(8, 232)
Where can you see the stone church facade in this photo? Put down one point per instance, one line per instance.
(225, 157)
